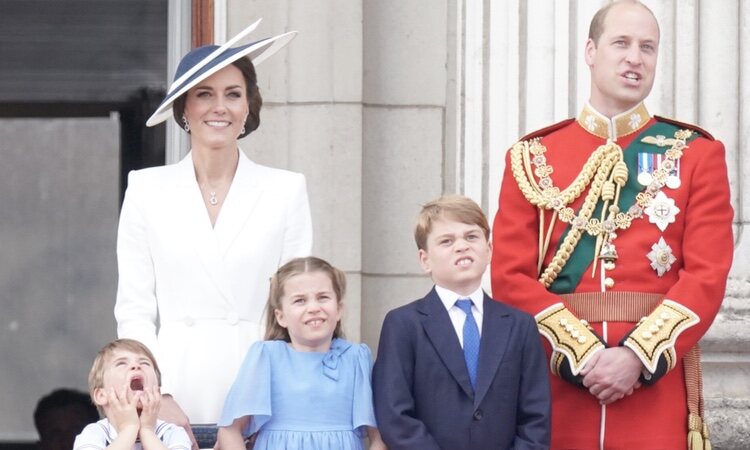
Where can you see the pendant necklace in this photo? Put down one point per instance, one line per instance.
(212, 199)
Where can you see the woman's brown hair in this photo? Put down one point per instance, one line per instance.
(254, 100)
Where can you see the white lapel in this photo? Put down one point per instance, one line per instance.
(241, 199)
(197, 227)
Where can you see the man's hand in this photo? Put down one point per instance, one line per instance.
(171, 412)
(612, 374)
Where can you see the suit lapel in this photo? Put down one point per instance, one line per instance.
(496, 328)
(437, 324)
(197, 228)
(241, 199)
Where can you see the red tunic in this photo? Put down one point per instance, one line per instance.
(701, 241)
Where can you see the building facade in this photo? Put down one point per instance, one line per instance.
(386, 104)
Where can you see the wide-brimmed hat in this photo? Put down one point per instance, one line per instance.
(202, 62)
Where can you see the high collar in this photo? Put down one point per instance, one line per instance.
(618, 126)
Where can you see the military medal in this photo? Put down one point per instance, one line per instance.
(648, 163)
(661, 257)
(645, 167)
(673, 175)
(662, 211)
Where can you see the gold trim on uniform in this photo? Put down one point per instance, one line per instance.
(659, 140)
(656, 334)
(568, 336)
(618, 126)
(604, 175)
(556, 360)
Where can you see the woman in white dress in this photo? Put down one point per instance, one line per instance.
(199, 240)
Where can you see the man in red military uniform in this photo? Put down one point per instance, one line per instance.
(614, 230)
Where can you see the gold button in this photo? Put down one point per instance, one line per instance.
(563, 322)
(609, 283)
(665, 315)
(653, 328)
(575, 334)
(581, 339)
(659, 322)
(646, 335)
(609, 265)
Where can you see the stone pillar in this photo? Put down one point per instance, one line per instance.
(404, 93)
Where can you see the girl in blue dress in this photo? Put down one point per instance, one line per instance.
(304, 387)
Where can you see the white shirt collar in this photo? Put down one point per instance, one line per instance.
(448, 298)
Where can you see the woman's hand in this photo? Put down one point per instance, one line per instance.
(171, 412)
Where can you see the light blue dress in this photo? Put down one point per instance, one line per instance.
(303, 400)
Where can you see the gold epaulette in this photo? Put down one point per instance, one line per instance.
(656, 334)
(547, 130)
(569, 337)
(685, 125)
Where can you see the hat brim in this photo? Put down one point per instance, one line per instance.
(257, 52)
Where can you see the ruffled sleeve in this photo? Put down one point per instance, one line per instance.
(363, 413)
(250, 394)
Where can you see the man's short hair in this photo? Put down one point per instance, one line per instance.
(596, 28)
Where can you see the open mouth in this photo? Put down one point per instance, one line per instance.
(136, 384)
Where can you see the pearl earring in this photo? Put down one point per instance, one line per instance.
(186, 125)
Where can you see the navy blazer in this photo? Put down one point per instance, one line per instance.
(423, 396)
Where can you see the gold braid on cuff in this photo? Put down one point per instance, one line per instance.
(569, 337)
(655, 335)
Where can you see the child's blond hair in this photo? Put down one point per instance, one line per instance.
(96, 374)
(455, 207)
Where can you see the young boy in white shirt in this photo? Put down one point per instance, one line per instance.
(124, 384)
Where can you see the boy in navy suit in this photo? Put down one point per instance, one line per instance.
(457, 370)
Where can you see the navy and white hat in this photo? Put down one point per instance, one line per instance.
(202, 62)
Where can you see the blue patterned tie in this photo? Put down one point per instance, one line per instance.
(471, 340)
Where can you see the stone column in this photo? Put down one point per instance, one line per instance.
(311, 121)
(404, 92)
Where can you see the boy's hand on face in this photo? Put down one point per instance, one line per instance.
(121, 411)
(150, 402)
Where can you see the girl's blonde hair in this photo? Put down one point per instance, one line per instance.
(298, 266)
(96, 374)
